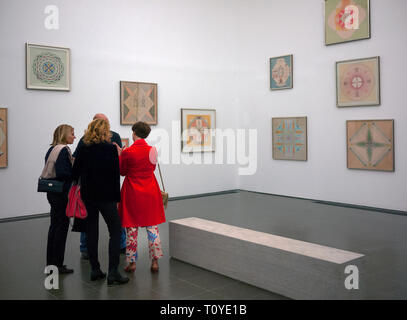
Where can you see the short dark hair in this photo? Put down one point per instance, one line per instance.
(141, 129)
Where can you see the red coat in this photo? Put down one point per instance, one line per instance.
(141, 201)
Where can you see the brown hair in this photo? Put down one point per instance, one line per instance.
(141, 129)
(60, 134)
(98, 131)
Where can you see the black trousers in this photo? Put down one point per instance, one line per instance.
(109, 212)
(58, 230)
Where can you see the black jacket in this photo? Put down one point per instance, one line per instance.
(63, 168)
(115, 138)
(97, 165)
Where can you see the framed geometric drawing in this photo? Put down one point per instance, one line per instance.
(281, 72)
(3, 138)
(370, 144)
(138, 102)
(358, 82)
(125, 142)
(47, 68)
(346, 20)
(289, 137)
(198, 130)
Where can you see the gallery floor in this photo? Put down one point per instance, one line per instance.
(382, 237)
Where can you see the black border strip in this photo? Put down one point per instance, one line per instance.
(204, 195)
(44, 215)
(201, 195)
(338, 204)
(28, 217)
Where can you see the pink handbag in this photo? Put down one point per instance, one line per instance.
(75, 208)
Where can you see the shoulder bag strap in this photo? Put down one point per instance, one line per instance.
(161, 177)
(49, 168)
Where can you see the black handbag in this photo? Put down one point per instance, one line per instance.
(47, 182)
(48, 185)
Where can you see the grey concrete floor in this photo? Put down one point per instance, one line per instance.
(382, 237)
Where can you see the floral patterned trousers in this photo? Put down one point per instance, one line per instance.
(154, 243)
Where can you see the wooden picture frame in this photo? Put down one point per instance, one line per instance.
(370, 144)
(138, 102)
(48, 68)
(198, 130)
(358, 82)
(346, 20)
(289, 138)
(281, 72)
(3, 138)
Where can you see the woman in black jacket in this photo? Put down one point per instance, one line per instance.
(97, 166)
(58, 230)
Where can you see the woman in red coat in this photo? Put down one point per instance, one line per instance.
(141, 201)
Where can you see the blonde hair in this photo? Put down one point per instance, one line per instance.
(98, 131)
(60, 134)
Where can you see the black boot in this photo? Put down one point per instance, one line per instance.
(116, 278)
(64, 270)
(97, 274)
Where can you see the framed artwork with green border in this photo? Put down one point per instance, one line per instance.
(138, 102)
(281, 72)
(358, 82)
(346, 20)
(48, 68)
(370, 144)
(289, 136)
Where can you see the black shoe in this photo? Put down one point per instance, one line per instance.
(85, 255)
(116, 278)
(64, 270)
(97, 275)
(123, 250)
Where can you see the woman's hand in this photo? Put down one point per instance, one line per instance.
(119, 150)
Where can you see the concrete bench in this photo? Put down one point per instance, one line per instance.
(292, 268)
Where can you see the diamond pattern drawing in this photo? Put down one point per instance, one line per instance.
(138, 102)
(370, 145)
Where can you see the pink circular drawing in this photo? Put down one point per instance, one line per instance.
(357, 82)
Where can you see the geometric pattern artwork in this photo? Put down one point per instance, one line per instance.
(198, 129)
(289, 138)
(3, 137)
(358, 82)
(47, 68)
(370, 144)
(346, 20)
(138, 102)
(281, 72)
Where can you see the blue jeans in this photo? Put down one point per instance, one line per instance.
(84, 239)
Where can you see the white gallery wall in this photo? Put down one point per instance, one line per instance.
(203, 54)
(297, 27)
(184, 46)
